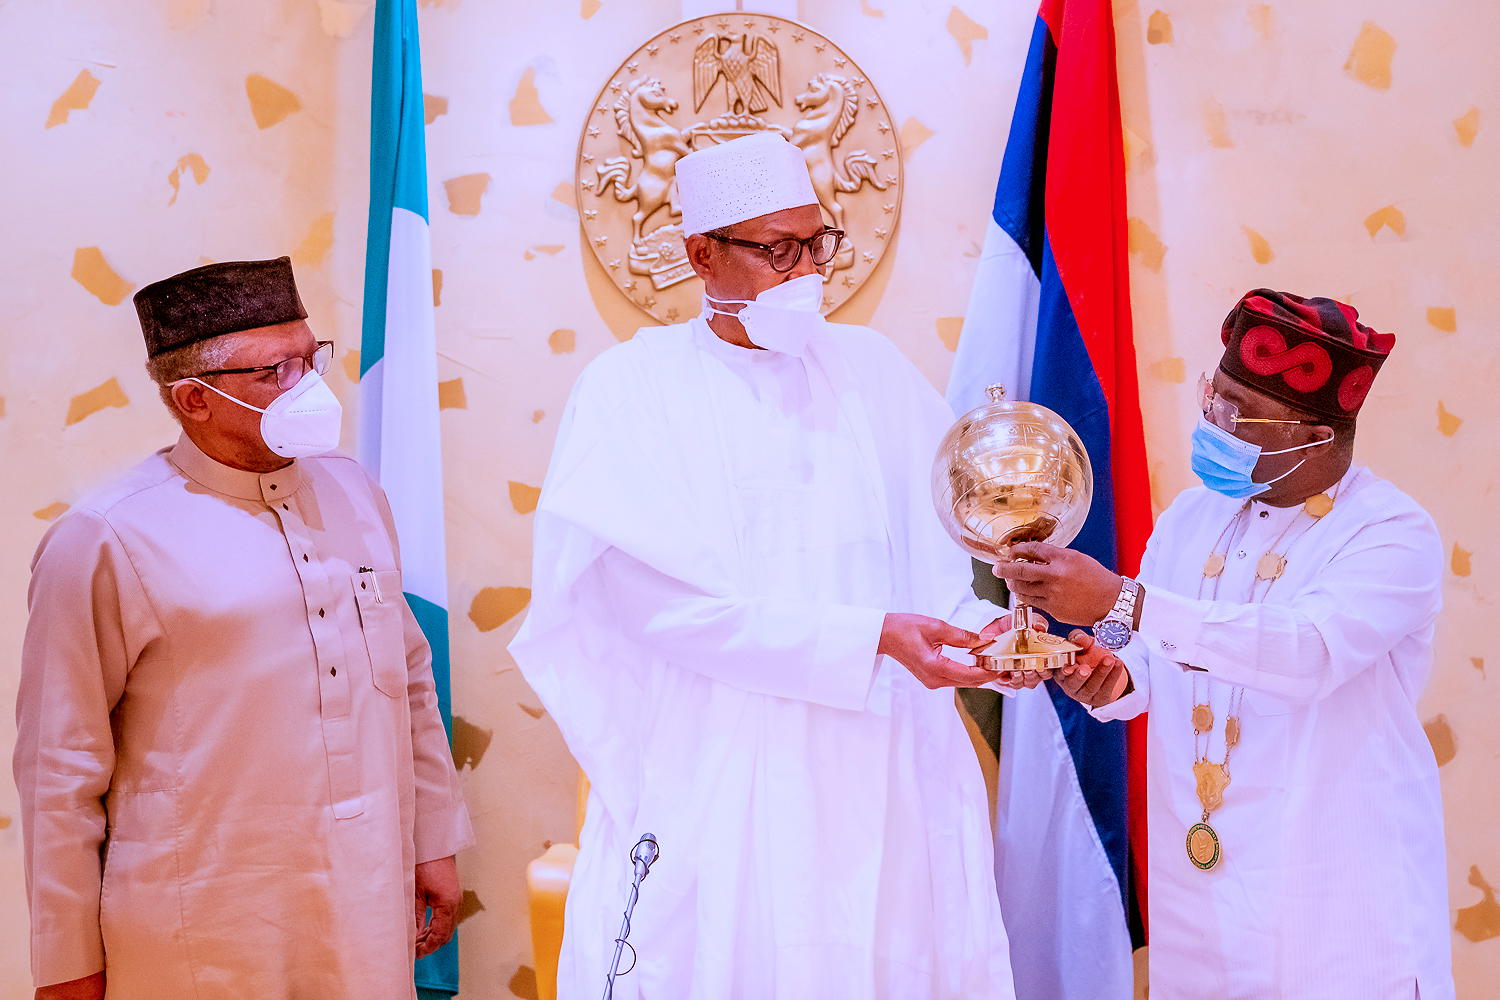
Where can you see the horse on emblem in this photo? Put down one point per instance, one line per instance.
(656, 142)
(829, 106)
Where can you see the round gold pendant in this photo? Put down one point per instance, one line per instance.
(1203, 718)
(1214, 565)
(1203, 846)
(1318, 506)
(1270, 567)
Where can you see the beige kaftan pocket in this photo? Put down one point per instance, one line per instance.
(380, 601)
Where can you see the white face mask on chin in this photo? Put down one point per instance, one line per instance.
(304, 421)
(781, 318)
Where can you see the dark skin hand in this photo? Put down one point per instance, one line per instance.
(1065, 583)
(438, 888)
(1098, 678)
(916, 642)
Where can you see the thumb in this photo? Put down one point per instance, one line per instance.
(952, 635)
(1033, 551)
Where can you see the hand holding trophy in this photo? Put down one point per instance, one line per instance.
(1010, 472)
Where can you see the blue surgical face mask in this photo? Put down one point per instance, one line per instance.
(1225, 463)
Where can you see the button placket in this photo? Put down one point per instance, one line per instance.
(1261, 533)
(335, 694)
(315, 585)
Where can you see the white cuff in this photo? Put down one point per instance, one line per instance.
(843, 668)
(1170, 625)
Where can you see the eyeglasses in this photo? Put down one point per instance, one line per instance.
(786, 253)
(1225, 414)
(290, 371)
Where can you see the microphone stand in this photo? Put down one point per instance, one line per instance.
(642, 856)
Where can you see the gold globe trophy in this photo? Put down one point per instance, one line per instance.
(1011, 472)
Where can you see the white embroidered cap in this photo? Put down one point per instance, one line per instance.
(741, 179)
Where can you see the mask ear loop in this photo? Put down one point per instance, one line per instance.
(1285, 451)
(726, 302)
(234, 399)
(711, 304)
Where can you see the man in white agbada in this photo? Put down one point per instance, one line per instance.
(739, 606)
(1282, 635)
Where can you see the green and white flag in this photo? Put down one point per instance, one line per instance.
(399, 434)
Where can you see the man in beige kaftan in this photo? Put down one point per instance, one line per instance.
(234, 779)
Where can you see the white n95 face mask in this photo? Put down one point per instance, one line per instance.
(304, 421)
(781, 318)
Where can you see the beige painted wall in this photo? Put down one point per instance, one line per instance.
(1292, 144)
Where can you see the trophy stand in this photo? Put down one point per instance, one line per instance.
(1010, 471)
(1024, 648)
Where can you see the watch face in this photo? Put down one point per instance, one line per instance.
(1112, 634)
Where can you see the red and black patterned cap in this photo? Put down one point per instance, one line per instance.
(1313, 354)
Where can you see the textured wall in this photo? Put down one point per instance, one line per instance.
(1294, 145)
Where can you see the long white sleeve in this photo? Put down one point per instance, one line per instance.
(1381, 588)
(786, 648)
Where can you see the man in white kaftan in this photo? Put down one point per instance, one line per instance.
(1283, 633)
(722, 536)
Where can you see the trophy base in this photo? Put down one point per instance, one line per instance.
(1034, 651)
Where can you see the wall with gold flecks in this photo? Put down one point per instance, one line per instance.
(1326, 148)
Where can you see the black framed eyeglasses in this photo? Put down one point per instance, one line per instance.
(290, 371)
(786, 253)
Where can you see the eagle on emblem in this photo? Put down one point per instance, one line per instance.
(751, 68)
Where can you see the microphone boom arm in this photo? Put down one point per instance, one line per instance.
(642, 857)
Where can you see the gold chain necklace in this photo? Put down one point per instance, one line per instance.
(1211, 779)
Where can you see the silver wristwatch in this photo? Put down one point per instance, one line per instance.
(1114, 630)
